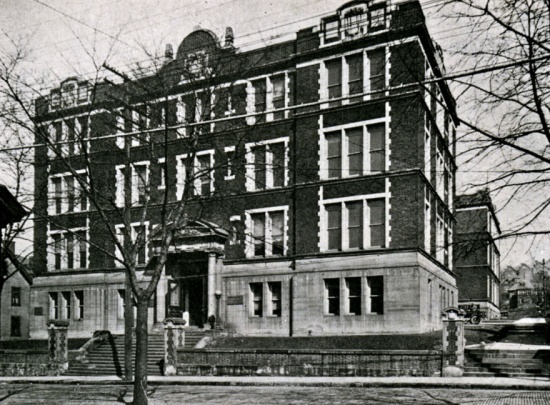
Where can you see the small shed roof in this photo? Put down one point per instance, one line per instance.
(10, 209)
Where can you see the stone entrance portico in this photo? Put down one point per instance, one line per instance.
(192, 274)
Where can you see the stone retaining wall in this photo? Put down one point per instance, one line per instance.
(309, 362)
(26, 363)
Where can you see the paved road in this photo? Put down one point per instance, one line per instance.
(60, 394)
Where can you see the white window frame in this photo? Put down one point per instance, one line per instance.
(250, 166)
(249, 250)
(344, 224)
(324, 169)
(439, 238)
(181, 173)
(427, 221)
(344, 79)
(133, 234)
(64, 178)
(119, 192)
(64, 248)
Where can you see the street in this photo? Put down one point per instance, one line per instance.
(120, 394)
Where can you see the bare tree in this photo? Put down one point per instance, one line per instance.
(122, 122)
(505, 105)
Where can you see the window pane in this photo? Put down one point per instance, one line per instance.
(355, 224)
(377, 222)
(278, 83)
(278, 163)
(204, 173)
(332, 287)
(354, 295)
(331, 31)
(377, 134)
(334, 221)
(257, 299)
(277, 233)
(259, 167)
(334, 73)
(275, 291)
(334, 154)
(377, 71)
(355, 69)
(258, 234)
(376, 287)
(259, 95)
(355, 151)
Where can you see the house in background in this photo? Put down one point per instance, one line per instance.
(524, 290)
(15, 278)
(477, 258)
(325, 207)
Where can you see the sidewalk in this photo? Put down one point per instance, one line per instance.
(424, 382)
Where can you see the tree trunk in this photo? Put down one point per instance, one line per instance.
(140, 381)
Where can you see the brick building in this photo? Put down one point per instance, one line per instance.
(323, 181)
(477, 258)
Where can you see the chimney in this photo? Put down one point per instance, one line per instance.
(169, 53)
(229, 37)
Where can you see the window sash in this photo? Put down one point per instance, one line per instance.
(334, 226)
(353, 286)
(355, 75)
(256, 290)
(332, 291)
(377, 72)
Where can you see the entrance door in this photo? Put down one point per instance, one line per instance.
(194, 300)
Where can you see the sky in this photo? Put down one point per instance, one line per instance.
(66, 38)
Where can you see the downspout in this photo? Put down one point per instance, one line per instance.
(294, 166)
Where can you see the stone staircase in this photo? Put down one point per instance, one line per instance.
(480, 362)
(108, 358)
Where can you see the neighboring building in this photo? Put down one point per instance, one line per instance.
(524, 291)
(477, 258)
(15, 299)
(326, 210)
(15, 278)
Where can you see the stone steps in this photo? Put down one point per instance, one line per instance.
(505, 363)
(108, 359)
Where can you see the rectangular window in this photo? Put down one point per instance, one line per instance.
(355, 76)
(278, 96)
(364, 224)
(377, 72)
(16, 296)
(141, 180)
(377, 222)
(334, 154)
(334, 80)
(256, 292)
(267, 165)
(54, 305)
(274, 289)
(266, 232)
(355, 224)
(140, 238)
(377, 150)
(353, 287)
(15, 326)
(334, 224)
(260, 96)
(58, 194)
(332, 296)
(375, 304)
(258, 233)
(354, 139)
(79, 305)
(259, 167)
(229, 163)
(69, 239)
(332, 31)
(377, 18)
(57, 250)
(66, 304)
(121, 304)
(82, 244)
(355, 151)
(204, 174)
